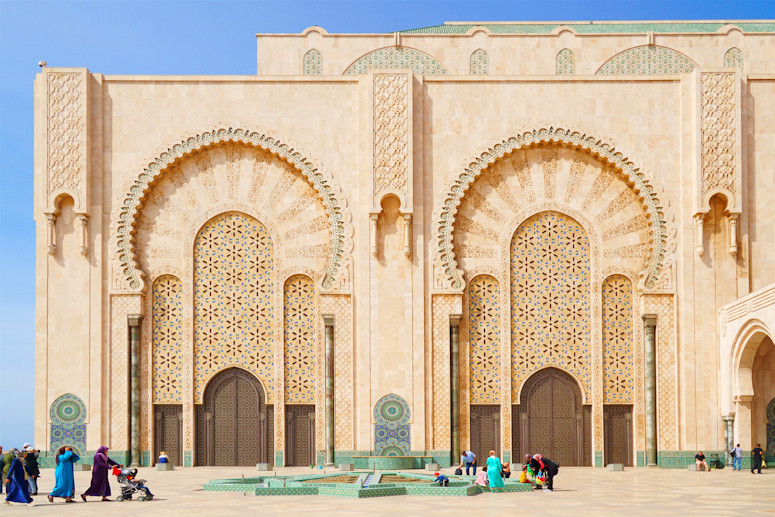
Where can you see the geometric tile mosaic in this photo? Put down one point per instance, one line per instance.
(550, 298)
(313, 62)
(733, 58)
(68, 417)
(391, 426)
(167, 340)
(299, 332)
(392, 58)
(647, 60)
(233, 296)
(484, 340)
(480, 62)
(617, 341)
(565, 62)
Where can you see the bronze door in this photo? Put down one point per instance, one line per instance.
(168, 432)
(300, 433)
(232, 424)
(485, 432)
(617, 423)
(552, 419)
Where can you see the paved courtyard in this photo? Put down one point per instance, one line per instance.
(579, 491)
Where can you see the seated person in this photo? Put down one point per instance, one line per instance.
(163, 457)
(523, 475)
(699, 461)
(481, 478)
(441, 479)
(505, 470)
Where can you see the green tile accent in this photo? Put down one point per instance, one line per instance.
(145, 458)
(598, 27)
(599, 459)
(187, 458)
(640, 459)
(397, 57)
(647, 60)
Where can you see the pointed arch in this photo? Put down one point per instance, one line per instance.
(338, 216)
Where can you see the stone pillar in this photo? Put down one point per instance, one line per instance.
(650, 324)
(134, 388)
(743, 406)
(328, 320)
(454, 344)
(51, 237)
(729, 435)
(699, 220)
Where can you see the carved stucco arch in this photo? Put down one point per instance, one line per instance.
(446, 272)
(746, 344)
(322, 182)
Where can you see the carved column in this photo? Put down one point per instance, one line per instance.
(650, 327)
(408, 235)
(733, 220)
(699, 220)
(83, 221)
(454, 343)
(134, 390)
(729, 435)
(328, 320)
(51, 237)
(373, 233)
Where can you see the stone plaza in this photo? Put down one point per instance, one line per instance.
(579, 491)
(385, 249)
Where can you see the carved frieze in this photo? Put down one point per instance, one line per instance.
(718, 131)
(391, 133)
(66, 125)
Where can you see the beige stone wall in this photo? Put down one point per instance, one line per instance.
(390, 146)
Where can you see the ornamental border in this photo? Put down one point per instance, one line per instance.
(328, 192)
(639, 180)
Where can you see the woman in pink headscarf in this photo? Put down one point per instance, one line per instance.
(100, 487)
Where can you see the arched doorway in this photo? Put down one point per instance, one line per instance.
(233, 421)
(552, 419)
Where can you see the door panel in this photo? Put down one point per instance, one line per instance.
(485, 432)
(168, 432)
(300, 432)
(617, 420)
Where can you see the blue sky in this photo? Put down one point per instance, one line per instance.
(193, 38)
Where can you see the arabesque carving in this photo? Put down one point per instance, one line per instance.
(656, 252)
(718, 131)
(391, 132)
(66, 144)
(336, 270)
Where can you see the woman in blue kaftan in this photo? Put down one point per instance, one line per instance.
(18, 487)
(65, 484)
(494, 472)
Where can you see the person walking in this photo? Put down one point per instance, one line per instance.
(16, 481)
(63, 475)
(494, 472)
(757, 456)
(33, 470)
(468, 458)
(737, 455)
(100, 487)
(2, 464)
(6, 466)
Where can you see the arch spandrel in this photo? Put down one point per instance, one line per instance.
(218, 168)
(552, 169)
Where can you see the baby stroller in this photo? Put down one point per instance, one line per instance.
(130, 485)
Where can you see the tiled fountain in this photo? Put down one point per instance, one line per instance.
(356, 484)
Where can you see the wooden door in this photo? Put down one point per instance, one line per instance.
(232, 423)
(617, 423)
(485, 432)
(168, 432)
(552, 420)
(300, 435)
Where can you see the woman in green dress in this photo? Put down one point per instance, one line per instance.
(494, 472)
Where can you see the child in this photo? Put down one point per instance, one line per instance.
(481, 477)
(441, 479)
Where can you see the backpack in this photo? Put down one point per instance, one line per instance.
(458, 472)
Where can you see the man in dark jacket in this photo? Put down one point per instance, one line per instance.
(33, 471)
(538, 462)
(758, 456)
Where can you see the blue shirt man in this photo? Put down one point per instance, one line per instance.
(468, 458)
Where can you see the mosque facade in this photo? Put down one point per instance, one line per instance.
(525, 237)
